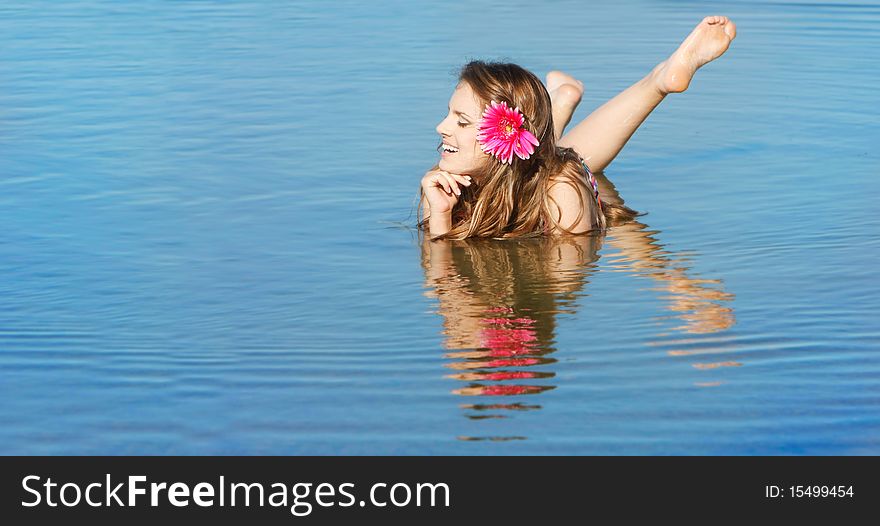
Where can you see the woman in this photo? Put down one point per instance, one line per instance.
(505, 172)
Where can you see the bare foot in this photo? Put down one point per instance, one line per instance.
(565, 94)
(708, 41)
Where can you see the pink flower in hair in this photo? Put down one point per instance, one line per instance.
(502, 134)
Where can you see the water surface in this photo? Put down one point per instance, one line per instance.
(208, 242)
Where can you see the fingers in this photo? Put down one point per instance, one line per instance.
(450, 182)
(455, 180)
(440, 179)
(463, 179)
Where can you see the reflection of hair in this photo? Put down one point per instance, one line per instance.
(512, 200)
(513, 290)
(523, 275)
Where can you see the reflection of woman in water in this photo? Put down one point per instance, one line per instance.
(499, 301)
(506, 169)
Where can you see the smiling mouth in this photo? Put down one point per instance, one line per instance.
(447, 148)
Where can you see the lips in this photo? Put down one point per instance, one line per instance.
(448, 148)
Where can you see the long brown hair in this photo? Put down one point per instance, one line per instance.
(513, 200)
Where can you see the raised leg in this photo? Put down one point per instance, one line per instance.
(600, 137)
(565, 94)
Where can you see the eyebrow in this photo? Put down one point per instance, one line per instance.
(463, 114)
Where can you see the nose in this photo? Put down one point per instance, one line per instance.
(443, 128)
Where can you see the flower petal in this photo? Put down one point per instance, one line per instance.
(501, 133)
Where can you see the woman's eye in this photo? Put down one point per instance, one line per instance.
(462, 124)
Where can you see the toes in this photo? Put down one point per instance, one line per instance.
(730, 29)
(717, 19)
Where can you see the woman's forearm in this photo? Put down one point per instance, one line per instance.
(439, 223)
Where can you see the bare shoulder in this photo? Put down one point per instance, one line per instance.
(570, 205)
(563, 188)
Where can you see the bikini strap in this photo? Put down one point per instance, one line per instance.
(593, 183)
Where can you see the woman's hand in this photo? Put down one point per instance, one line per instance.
(442, 189)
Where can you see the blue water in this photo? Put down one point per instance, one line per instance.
(208, 242)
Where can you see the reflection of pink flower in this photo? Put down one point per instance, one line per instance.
(507, 375)
(509, 343)
(495, 353)
(514, 362)
(506, 321)
(502, 134)
(508, 337)
(507, 390)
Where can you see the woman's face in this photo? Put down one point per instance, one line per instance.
(460, 152)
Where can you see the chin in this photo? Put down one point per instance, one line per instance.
(446, 166)
(453, 168)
